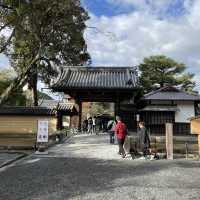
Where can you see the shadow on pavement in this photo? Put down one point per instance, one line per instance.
(66, 178)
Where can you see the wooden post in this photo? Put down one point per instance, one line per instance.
(169, 140)
(116, 109)
(79, 115)
(59, 121)
(137, 121)
(199, 143)
(117, 106)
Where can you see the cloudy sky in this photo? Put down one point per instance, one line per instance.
(129, 30)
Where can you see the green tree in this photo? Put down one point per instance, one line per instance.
(18, 98)
(44, 35)
(101, 108)
(161, 70)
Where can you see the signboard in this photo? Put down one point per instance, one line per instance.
(42, 133)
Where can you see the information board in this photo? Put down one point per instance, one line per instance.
(42, 133)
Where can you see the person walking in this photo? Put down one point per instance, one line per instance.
(85, 126)
(98, 125)
(90, 125)
(121, 132)
(111, 130)
(94, 124)
(143, 140)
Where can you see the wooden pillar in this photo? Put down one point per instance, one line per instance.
(59, 121)
(169, 140)
(70, 121)
(117, 106)
(199, 143)
(79, 115)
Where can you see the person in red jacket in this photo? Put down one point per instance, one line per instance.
(121, 132)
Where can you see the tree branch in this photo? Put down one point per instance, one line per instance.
(106, 33)
(19, 81)
(6, 6)
(3, 48)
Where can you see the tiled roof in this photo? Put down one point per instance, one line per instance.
(171, 93)
(48, 103)
(55, 104)
(97, 78)
(22, 110)
(37, 111)
(160, 108)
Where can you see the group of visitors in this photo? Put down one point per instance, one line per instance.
(90, 125)
(94, 125)
(118, 128)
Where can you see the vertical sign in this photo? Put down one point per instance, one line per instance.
(169, 140)
(42, 133)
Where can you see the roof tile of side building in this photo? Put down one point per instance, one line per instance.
(97, 77)
(37, 111)
(22, 110)
(56, 104)
(171, 93)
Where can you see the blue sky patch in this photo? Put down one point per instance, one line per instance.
(176, 8)
(104, 8)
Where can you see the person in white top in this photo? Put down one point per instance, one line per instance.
(94, 124)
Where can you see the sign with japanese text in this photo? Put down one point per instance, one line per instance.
(42, 133)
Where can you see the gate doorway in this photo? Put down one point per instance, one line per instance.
(118, 85)
(99, 112)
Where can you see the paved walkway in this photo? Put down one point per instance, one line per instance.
(88, 168)
(87, 146)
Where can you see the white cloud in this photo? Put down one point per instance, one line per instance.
(126, 39)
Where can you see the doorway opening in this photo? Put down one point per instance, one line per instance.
(100, 113)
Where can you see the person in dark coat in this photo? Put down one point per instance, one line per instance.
(85, 126)
(143, 140)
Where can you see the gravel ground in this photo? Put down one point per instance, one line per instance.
(87, 167)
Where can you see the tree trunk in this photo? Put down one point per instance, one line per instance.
(17, 82)
(34, 89)
(21, 80)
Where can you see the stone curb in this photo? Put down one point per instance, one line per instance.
(13, 160)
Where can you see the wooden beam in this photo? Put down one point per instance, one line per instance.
(100, 94)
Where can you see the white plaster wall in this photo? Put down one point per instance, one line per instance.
(186, 110)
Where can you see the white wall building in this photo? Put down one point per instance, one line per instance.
(168, 104)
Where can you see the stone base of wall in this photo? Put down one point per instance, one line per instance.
(181, 144)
